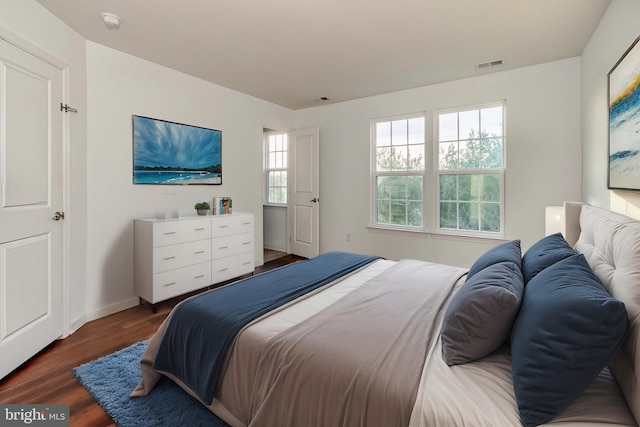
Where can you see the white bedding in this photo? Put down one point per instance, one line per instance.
(474, 394)
(231, 403)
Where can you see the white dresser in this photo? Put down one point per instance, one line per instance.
(180, 255)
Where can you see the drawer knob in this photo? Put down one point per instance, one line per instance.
(170, 232)
(169, 284)
(246, 243)
(224, 269)
(223, 247)
(223, 226)
(198, 277)
(169, 257)
(200, 229)
(199, 252)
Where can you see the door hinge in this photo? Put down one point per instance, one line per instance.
(67, 109)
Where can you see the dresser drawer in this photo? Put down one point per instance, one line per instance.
(172, 232)
(176, 282)
(230, 267)
(222, 247)
(175, 256)
(167, 258)
(226, 225)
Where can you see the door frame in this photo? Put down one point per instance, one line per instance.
(263, 189)
(290, 165)
(30, 48)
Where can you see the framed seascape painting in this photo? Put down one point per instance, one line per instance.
(165, 152)
(624, 121)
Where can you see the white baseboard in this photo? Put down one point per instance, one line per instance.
(111, 309)
(275, 247)
(74, 326)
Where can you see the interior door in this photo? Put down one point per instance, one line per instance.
(31, 165)
(303, 205)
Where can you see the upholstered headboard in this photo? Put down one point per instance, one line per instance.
(611, 244)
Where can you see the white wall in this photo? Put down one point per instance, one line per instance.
(107, 87)
(120, 85)
(617, 29)
(543, 158)
(33, 23)
(275, 228)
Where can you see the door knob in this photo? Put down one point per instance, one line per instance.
(58, 216)
(314, 200)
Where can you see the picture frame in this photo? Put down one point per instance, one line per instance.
(222, 205)
(624, 121)
(170, 153)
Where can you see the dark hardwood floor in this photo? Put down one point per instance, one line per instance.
(47, 378)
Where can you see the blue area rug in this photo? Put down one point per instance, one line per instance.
(111, 379)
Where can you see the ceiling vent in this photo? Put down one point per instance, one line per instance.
(489, 64)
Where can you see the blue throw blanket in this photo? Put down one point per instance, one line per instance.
(201, 329)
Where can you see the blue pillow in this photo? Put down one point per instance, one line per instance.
(567, 330)
(480, 316)
(505, 252)
(545, 252)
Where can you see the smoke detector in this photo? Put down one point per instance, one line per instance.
(111, 20)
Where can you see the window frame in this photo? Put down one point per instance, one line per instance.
(267, 169)
(437, 173)
(374, 174)
(431, 178)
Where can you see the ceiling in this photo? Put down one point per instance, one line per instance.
(294, 52)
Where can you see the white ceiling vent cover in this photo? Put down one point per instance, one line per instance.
(489, 64)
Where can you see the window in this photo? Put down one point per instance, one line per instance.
(276, 167)
(398, 171)
(470, 172)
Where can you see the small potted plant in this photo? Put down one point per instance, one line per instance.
(202, 208)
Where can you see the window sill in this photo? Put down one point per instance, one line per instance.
(467, 237)
(438, 234)
(392, 229)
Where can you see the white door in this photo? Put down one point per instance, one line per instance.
(31, 165)
(303, 205)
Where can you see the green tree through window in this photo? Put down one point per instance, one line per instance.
(471, 169)
(466, 177)
(399, 169)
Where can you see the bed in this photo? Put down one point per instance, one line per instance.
(551, 337)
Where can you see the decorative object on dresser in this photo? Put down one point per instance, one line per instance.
(222, 205)
(179, 255)
(202, 208)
